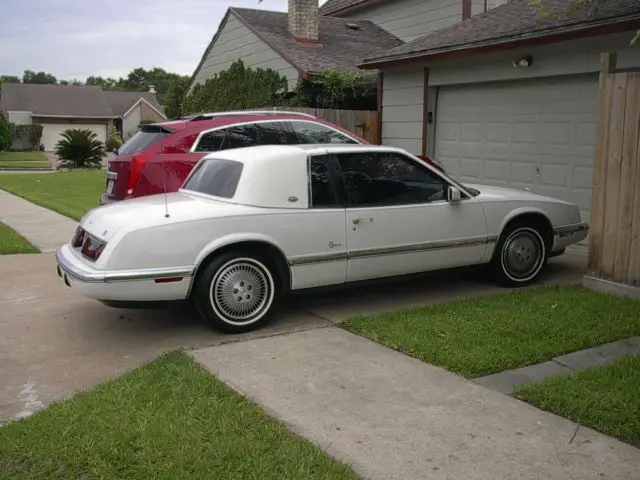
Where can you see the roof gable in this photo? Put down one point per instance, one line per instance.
(343, 43)
(121, 102)
(512, 22)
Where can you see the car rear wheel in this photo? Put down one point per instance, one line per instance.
(237, 292)
(520, 255)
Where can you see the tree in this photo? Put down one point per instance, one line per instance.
(175, 96)
(9, 79)
(5, 134)
(30, 76)
(104, 83)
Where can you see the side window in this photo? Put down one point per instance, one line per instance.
(210, 141)
(322, 193)
(309, 132)
(388, 178)
(270, 133)
(239, 136)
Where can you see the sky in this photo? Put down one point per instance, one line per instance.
(78, 38)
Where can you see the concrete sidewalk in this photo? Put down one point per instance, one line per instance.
(43, 228)
(394, 417)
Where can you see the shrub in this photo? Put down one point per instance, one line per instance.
(26, 136)
(5, 134)
(114, 141)
(80, 148)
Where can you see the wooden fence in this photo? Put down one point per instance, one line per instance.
(614, 244)
(364, 123)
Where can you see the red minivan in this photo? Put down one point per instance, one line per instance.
(159, 156)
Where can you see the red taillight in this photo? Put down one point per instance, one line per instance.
(137, 164)
(92, 248)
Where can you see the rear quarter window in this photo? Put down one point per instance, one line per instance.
(215, 177)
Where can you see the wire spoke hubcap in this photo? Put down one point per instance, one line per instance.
(241, 291)
(522, 254)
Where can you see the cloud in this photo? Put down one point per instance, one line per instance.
(76, 39)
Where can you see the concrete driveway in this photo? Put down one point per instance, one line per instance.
(54, 342)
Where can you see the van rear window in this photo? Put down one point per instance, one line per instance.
(141, 140)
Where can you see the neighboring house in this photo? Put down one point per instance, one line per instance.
(507, 97)
(60, 107)
(131, 108)
(298, 43)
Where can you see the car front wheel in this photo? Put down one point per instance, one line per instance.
(520, 255)
(237, 292)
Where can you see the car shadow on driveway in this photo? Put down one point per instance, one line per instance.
(54, 342)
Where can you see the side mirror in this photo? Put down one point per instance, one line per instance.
(115, 151)
(453, 194)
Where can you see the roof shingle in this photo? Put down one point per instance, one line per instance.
(120, 102)
(339, 48)
(515, 20)
(59, 100)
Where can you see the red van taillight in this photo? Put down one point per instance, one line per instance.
(137, 164)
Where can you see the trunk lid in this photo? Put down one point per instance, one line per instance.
(150, 211)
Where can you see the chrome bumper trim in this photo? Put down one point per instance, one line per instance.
(568, 230)
(86, 276)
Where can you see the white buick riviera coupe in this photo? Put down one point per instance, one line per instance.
(252, 224)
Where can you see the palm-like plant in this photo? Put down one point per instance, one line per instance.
(79, 148)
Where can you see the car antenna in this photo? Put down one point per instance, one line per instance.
(164, 181)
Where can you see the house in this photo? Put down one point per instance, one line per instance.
(508, 97)
(131, 108)
(60, 107)
(298, 43)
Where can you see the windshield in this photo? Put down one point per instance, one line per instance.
(215, 177)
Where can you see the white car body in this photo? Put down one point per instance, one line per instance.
(151, 257)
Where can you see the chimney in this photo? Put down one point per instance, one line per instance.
(303, 20)
(152, 89)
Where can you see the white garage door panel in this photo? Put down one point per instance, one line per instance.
(51, 132)
(537, 135)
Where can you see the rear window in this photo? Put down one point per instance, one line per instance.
(215, 177)
(141, 140)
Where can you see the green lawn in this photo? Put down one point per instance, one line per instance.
(25, 165)
(168, 419)
(12, 243)
(606, 398)
(490, 334)
(22, 156)
(69, 193)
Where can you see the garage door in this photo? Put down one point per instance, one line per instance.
(51, 132)
(537, 135)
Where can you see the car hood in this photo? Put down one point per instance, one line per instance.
(150, 211)
(490, 193)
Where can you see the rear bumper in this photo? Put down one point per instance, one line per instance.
(566, 235)
(149, 285)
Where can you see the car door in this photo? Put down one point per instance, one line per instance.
(322, 230)
(399, 220)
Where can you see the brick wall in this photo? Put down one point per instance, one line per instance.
(148, 113)
(303, 19)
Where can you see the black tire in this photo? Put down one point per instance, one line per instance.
(520, 256)
(238, 291)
